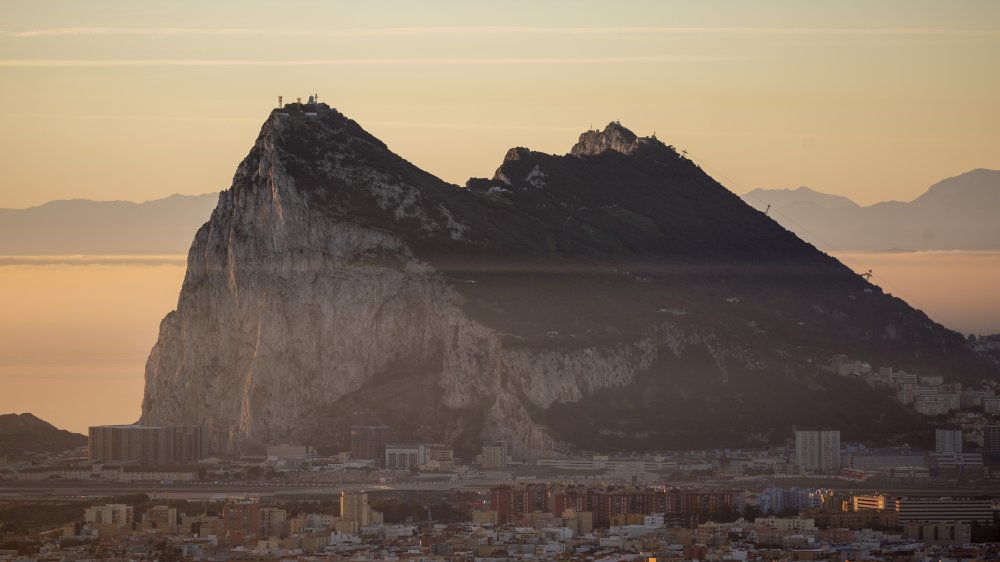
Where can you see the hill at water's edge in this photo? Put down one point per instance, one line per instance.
(21, 433)
(613, 298)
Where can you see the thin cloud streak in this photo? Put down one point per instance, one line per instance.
(93, 259)
(72, 63)
(492, 30)
(470, 126)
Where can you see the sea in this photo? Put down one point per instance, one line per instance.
(75, 331)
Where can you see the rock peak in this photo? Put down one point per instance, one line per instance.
(615, 136)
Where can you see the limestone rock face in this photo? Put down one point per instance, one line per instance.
(613, 137)
(556, 307)
(284, 307)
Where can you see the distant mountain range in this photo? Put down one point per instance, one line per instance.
(20, 433)
(958, 213)
(80, 226)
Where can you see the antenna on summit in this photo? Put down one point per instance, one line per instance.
(279, 102)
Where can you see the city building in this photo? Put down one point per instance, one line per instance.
(870, 502)
(817, 449)
(285, 451)
(161, 518)
(140, 444)
(991, 440)
(948, 441)
(354, 507)
(404, 457)
(494, 455)
(957, 461)
(440, 453)
(241, 521)
(117, 515)
(776, 499)
(951, 509)
(883, 460)
(273, 522)
(935, 404)
(188, 443)
(991, 405)
(368, 442)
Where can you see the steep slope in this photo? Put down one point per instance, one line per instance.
(957, 213)
(615, 297)
(20, 433)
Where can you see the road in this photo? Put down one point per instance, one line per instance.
(44, 489)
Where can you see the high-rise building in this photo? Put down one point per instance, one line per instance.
(142, 444)
(273, 522)
(188, 444)
(241, 521)
(368, 442)
(354, 506)
(404, 457)
(817, 449)
(130, 444)
(948, 441)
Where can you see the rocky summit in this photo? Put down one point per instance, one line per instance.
(614, 298)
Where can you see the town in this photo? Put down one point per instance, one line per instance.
(141, 492)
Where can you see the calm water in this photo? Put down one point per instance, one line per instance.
(75, 331)
(958, 289)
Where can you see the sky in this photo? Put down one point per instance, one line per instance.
(137, 100)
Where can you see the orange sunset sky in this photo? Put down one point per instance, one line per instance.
(138, 100)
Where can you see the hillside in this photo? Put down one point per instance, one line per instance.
(612, 298)
(20, 433)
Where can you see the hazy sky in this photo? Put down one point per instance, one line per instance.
(136, 100)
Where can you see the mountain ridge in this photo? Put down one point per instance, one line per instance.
(955, 213)
(84, 226)
(337, 283)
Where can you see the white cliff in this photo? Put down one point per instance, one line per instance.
(284, 308)
(578, 301)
